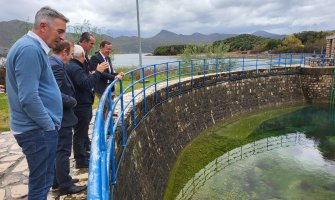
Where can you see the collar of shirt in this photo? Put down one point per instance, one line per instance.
(103, 56)
(58, 59)
(42, 43)
(109, 67)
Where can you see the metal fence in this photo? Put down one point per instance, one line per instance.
(110, 135)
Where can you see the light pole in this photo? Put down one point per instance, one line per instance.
(139, 36)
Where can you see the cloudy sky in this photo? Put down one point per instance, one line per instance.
(118, 17)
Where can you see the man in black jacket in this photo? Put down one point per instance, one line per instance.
(86, 41)
(84, 83)
(109, 74)
(61, 56)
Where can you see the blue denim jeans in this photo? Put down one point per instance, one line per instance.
(39, 148)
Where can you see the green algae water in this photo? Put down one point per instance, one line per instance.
(289, 156)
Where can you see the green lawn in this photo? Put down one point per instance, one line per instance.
(126, 83)
(4, 113)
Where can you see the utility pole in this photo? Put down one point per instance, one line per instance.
(139, 35)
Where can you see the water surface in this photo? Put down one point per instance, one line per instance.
(132, 60)
(292, 156)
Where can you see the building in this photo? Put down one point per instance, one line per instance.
(330, 47)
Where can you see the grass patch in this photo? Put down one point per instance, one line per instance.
(4, 113)
(214, 142)
(332, 139)
(127, 82)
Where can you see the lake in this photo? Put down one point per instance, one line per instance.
(291, 157)
(132, 60)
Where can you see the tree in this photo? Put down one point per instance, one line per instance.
(77, 29)
(291, 44)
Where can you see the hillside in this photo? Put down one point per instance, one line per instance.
(10, 31)
(127, 44)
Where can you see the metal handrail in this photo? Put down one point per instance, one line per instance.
(107, 152)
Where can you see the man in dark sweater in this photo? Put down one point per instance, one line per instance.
(61, 56)
(84, 83)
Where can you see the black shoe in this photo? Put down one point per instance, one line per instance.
(82, 164)
(88, 154)
(72, 189)
(55, 186)
(88, 147)
(75, 180)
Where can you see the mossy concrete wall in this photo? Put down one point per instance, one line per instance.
(185, 112)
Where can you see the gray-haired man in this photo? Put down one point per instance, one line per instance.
(34, 98)
(84, 83)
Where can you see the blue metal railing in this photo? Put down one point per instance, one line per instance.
(110, 138)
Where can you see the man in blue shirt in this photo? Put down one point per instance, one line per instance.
(34, 98)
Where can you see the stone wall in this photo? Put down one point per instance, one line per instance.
(316, 84)
(168, 127)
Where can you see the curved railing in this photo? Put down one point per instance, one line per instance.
(110, 136)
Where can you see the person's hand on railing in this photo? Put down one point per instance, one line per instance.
(102, 67)
(120, 76)
(2, 89)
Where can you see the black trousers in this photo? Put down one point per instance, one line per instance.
(63, 153)
(81, 133)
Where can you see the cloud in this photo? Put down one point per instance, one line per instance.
(185, 16)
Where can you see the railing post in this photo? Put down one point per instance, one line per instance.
(323, 60)
(179, 78)
(133, 97)
(243, 67)
(217, 69)
(204, 79)
(229, 75)
(144, 96)
(113, 161)
(285, 64)
(122, 115)
(155, 82)
(270, 70)
(192, 71)
(111, 121)
(167, 81)
(257, 65)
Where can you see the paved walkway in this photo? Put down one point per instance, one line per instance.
(14, 168)
(14, 172)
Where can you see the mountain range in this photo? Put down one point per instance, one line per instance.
(10, 31)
